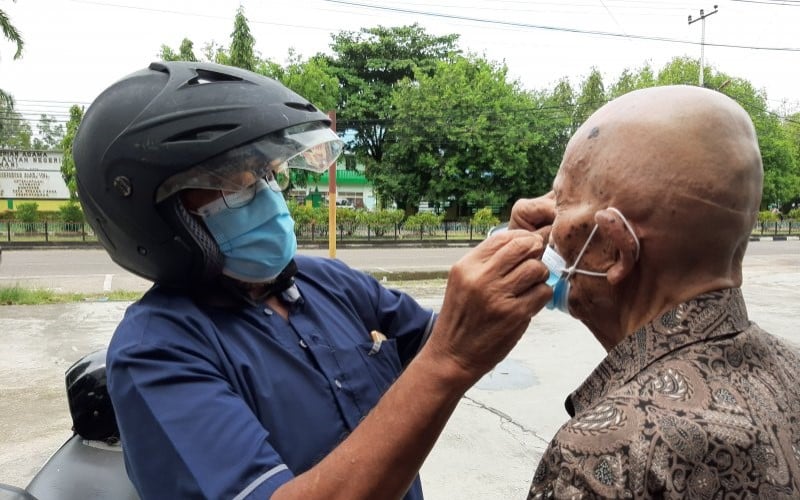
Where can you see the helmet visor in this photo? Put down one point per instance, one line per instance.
(311, 147)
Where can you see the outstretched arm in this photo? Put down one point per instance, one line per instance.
(492, 293)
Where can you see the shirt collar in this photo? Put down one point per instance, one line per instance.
(710, 315)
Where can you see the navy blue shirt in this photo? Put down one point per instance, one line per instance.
(216, 402)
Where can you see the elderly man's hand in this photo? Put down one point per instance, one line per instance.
(534, 214)
(492, 293)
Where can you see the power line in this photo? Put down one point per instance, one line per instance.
(555, 28)
(785, 3)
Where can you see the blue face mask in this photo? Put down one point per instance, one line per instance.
(560, 273)
(257, 239)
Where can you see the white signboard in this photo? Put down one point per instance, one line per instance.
(26, 175)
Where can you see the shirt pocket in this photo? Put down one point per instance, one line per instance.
(382, 361)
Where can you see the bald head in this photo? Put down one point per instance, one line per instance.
(682, 162)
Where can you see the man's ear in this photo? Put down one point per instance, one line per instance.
(611, 225)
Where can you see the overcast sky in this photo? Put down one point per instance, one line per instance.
(76, 48)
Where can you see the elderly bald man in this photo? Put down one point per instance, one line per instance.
(651, 213)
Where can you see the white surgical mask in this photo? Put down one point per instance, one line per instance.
(560, 273)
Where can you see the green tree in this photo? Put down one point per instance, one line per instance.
(592, 96)
(68, 163)
(368, 64)
(459, 135)
(242, 43)
(632, 80)
(313, 79)
(49, 134)
(15, 131)
(12, 35)
(185, 52)
(552, 124)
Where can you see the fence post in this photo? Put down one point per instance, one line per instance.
(776, 228)
(367, 232)
(46, 232)
(470, 231)
(83, 231)
(8, 227)
(445, 230)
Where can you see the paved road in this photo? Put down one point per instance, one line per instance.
(491, 444)
(92, 271)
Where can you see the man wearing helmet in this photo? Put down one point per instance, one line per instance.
(248, 371)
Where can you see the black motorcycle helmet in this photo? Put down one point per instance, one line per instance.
(180, 125)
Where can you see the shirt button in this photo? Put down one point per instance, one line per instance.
(303, 344)
(268, 311)
(338, 384)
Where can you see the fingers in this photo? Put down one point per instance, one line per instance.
(507, 249)
(533, 213)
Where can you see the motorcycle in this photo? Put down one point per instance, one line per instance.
(89, 465)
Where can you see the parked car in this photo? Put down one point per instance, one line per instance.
(344, 203)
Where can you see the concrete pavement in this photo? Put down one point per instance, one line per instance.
(491, 444)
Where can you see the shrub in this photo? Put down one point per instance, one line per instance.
(28, 212)
(70, 213)
(794, 214)
(484, 219)
(423, 222)
(767, 216)
(382, 221)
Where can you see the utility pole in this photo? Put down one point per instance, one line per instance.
(702, 18)
(332, 198)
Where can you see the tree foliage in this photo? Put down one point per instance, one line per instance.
(242, 53)
(457, 136)
(49, 134)
(13, 35)
(368, 64)
(15, 131)
(185, 52)
(68, 163)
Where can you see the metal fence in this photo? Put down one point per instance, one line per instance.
(64, 232)
(46, 231)
(786, 227)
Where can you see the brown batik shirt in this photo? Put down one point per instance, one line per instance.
(700, 403)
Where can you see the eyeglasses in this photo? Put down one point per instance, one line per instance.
(218, 199)
(276, 181)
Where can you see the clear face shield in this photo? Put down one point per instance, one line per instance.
(312, 147)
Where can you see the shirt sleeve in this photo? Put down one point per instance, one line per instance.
(171, 397)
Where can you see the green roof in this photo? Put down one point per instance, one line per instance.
(346, 178)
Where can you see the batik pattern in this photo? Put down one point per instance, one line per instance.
(700, 403)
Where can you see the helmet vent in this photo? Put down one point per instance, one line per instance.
(205, 76)
(303, 106)
(202, 134)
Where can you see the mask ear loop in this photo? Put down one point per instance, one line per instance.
(630, 228)
(572, 269)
